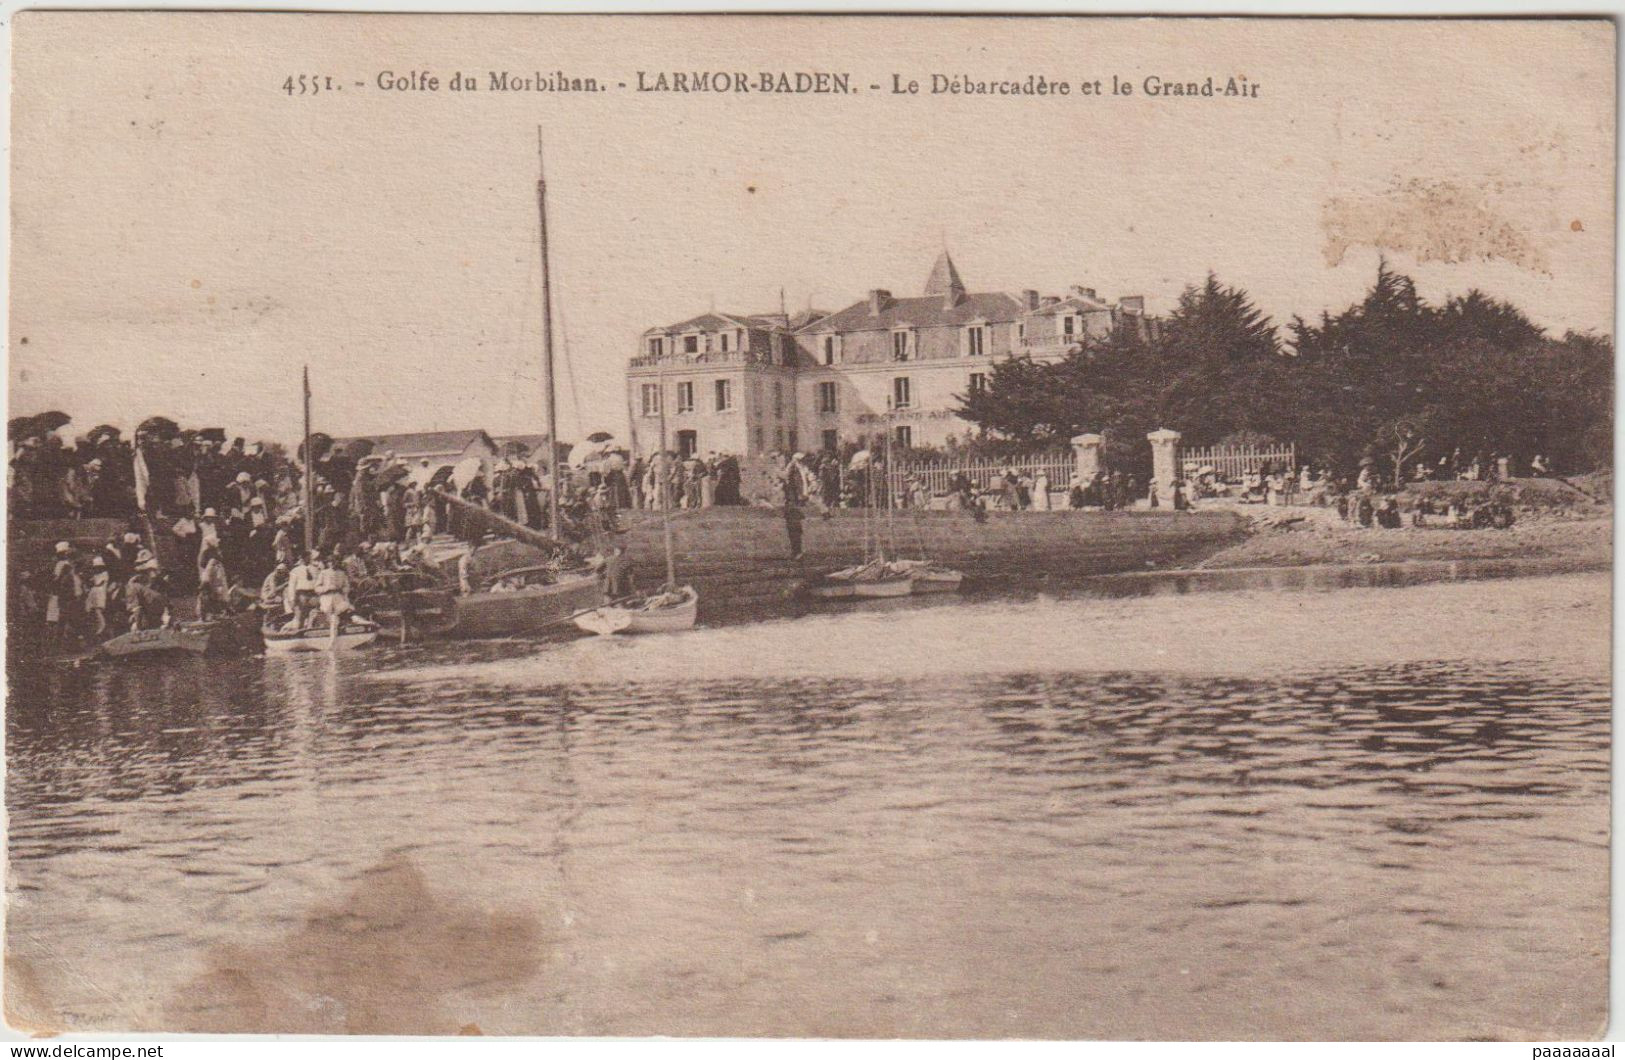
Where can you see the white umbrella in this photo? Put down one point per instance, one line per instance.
(587, 452)
(466, 469)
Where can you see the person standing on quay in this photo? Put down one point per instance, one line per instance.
(792, 527)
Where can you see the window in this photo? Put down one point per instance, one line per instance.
(900, 392)
(651, 399)
(899, 345)
(978, 383)
(1021, 332)
(1067, 324)
(829, 349)
(725, 395)
(688, 443)
(832, 441)
(904, 438)
(685, 398)
(974, 340)
(724, 337)
(657, 347)
(826, 397)
(778, 398)
(691, 344)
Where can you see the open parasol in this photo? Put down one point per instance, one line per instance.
(41, 423)
(466, 469)
(600, 436)
(320, 444)
(160, 427)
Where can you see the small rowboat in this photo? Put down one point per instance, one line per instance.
(191, 637)
(930, 577)
(664, 612)
(352, 634)
(874, 580)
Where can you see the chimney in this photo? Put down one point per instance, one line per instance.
(1029, 300)
(1051, 299)
(1132, 303)
(878, 300)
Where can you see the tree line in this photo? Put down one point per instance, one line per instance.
(1391, 378)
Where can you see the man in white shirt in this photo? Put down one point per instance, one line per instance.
(302, 591)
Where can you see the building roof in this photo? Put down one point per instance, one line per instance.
(713, 321)
(1077, 302)
(424, 443)
(929, 312)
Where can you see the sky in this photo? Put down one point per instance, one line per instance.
(186, 235)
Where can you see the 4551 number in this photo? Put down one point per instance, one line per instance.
(308, 84)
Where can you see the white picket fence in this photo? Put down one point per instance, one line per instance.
(983, 474)
(1232, 462)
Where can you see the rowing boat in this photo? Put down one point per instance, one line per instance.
(663, 612)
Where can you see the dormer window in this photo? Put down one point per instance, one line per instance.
(829, 349)
(724, 339)
(899, 345)
(1067, 325)
(657, 347)
(975, 340)
(691, 344)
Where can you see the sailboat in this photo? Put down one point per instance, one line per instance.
(875, 578)
(504, 599)
(928, 575)
(286, 634)
(674, 608)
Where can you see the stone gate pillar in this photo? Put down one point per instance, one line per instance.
(1086, 449)
(1164, 463)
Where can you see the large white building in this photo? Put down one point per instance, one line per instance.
(748, 384)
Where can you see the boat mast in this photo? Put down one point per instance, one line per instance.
(310, 471)
(665, 478)
(555, 522)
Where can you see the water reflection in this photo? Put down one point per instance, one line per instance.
(1061, 852)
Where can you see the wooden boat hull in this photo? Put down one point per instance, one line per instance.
(930, 577)
(167, 640)
(875, 580)
(353, 634)
(533, 609)
(433, 611)
(624, 619)
(883, 588)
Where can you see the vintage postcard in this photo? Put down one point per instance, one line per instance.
(809, 526)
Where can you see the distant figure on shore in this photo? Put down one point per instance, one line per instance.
(792, 527)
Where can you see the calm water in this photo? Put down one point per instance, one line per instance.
(1370, 812)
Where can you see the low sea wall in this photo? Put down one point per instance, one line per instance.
(738, 558)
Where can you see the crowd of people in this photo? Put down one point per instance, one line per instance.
(226, 520)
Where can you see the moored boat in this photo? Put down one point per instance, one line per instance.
(192, 637)
(874, 580)
(930, 576)
(352, 633)
(668, 611)
(524, 600)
